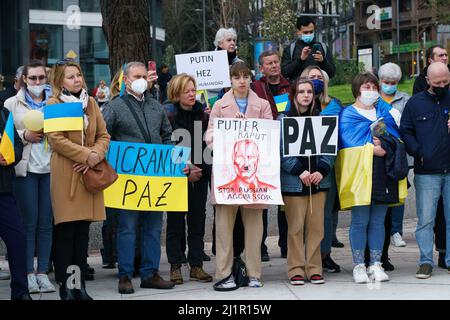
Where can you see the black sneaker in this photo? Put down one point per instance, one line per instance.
(387, 265)
(441, 260)
(328, 265)
(265, 257)
(205, 257)
(424, 271)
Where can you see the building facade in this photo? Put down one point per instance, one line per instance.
(50, 30)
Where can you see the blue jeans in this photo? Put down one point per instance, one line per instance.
(328, 231)
(428, 190)
(397, 219)
(33, 199)
(367, 226)
(151, 225)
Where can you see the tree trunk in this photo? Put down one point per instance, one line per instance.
(127, 31)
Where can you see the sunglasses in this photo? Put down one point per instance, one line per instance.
(34, 78)
(64, 61)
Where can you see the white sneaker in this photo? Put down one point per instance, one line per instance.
(360, 273)
(397, 240)
(255, 282)
(44, 283)
(376, 271)
(33, 287)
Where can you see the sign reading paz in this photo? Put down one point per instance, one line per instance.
(210, 69)
(246, 162)
(309, 136)
(150, 177)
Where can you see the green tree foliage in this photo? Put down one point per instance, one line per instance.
(279, 21)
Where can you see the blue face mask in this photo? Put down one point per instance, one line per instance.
(307, 38)
(388, 89)
(318, 86)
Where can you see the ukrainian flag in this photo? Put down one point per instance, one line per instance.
(355, 156)
(282, 102)
(121, 82)
(7, 143)
(63, 117)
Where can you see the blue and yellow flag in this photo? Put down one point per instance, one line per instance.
(355, 156)
(121, 82)
(7, 143)
(63, 117)
(282, 102)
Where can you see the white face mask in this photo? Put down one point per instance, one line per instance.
(368, 98)
(36, 90)
(139, 86)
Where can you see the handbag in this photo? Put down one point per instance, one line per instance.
(100, 177)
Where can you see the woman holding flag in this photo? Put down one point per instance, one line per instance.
(304, 192)
(74, 153)
(32, 183)
(364, 183)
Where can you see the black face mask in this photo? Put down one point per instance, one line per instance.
(441, 92)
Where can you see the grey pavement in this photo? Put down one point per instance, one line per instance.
(402, 284)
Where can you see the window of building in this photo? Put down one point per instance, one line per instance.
(405, 36)
(405, 5)
(89, 5)
(46, 5)
(46, 43)
(94, 56)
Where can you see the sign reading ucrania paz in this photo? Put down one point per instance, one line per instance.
(246, 161)
(210, 69)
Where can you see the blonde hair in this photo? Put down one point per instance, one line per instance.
(323, 96)
(115, 85)
(58, 76)
(178, 85)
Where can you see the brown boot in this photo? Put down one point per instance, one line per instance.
(156, 282)
(125, 286)
(198, 274)
(175, 274)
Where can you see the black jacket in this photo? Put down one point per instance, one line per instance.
(420, 84)
(292, 67)
(424, 129)
(6, 94)
(7, 173)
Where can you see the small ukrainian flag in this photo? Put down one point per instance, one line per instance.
(121, 82)
(63, 117)
(282, 102)
(7, 143)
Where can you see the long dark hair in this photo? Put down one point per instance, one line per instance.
(312, 110)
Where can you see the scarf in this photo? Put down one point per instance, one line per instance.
(37, 105)
(66, 96)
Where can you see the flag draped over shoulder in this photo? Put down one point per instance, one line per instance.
(355, 155)
(7, 143)
(63, 117)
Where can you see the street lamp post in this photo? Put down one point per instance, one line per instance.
(203, 11)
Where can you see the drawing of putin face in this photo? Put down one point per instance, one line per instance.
(246, 159)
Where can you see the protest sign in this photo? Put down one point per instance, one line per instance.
(150, 177)
(309, 136)
(210, 69)
(246, 162)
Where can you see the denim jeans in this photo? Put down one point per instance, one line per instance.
(329, 230)
(367, 226)
(150, 225)
(397, 219)
(428, 190)
(33, 198)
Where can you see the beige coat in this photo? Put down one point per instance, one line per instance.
(70, 200)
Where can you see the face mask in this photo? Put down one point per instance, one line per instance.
(307, 37)
(389, 89)
(318, 86)
(440, 92)
(36, 90)
(139, 86)
(368, 98)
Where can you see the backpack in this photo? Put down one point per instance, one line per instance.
(292, 48)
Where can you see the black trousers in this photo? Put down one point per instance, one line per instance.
(71, 248)
(176, 238)
(440, 232)
(13, 234)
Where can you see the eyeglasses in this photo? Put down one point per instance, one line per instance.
(64, 61)
(34, 78)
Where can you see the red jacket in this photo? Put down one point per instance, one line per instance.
(261, 87)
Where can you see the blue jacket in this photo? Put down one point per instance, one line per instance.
(424, 129)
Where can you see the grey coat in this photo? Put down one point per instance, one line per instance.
(122, 126)
(400, 100)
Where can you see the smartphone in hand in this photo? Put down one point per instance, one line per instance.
(316, 47)
(152, 65)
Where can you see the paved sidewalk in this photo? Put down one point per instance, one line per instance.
(403, 284)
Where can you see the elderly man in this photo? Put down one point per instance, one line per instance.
(137, 117)
(425, 129)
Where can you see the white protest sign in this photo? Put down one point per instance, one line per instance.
(210, 69)
(309, 136)
(246, 161)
